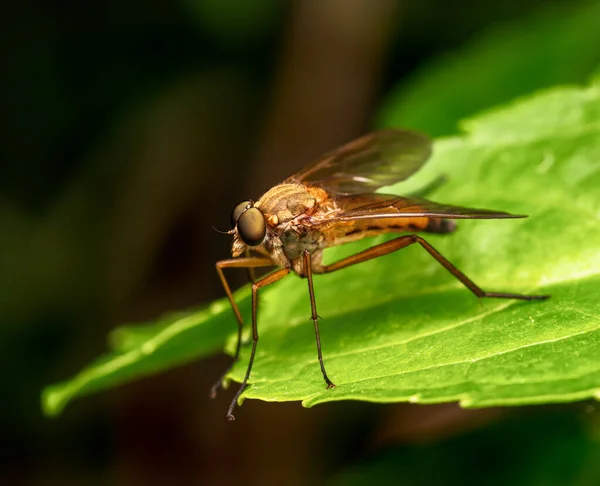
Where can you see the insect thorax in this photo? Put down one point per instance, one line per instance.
(286, 202)
(294, 243)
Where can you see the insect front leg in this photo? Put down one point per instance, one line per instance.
(250, 270)
(269, 279)
(248, 263)
(314, 316)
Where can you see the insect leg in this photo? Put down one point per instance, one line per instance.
(250, 270)
(249, 262)
(263, 282)
(314, 316)
(404, 241)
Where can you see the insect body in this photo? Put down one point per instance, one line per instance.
(332, 202)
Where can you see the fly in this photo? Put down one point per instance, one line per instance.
(332, 202)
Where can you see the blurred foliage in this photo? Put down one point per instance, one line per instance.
(554, 45)
(235, 22)
(76, 73)
(141, 350)
(417, 335)
(554, 449)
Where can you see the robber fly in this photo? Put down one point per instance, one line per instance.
(332, 202)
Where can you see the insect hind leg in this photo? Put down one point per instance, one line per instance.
(407, 240)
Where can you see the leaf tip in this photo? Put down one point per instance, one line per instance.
(148, 347)
(52, 401)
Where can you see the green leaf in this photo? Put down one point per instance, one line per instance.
(558, 44)
(143, 350)
(400, 328)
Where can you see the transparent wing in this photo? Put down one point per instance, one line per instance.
(376, 206)
(368, 163)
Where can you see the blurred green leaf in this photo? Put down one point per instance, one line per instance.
(548, 449)
(142, 350)
(400, 328)
(560, 44)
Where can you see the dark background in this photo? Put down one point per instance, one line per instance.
(129, 130)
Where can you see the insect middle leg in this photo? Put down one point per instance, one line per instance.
(314, 315)
(403, 242)
(248, 263)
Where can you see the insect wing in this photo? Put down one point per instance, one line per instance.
(364, 165)
(375, 206)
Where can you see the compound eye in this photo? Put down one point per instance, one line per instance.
(237, 211)
(251, 227)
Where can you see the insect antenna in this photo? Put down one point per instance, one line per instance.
(230, 232)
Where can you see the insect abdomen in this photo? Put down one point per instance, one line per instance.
(440, 225)
(365, 228)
